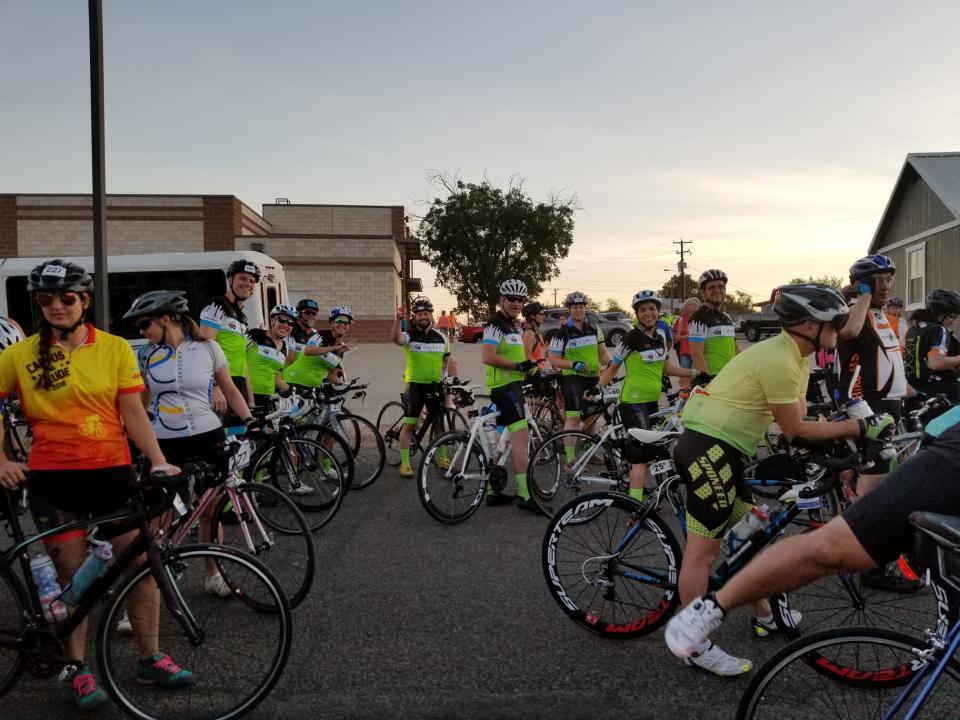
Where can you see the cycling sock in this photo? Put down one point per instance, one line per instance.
(568, 451)
(441, 453)
(636, 493)
(522, 485)
(326, 463)
(405, 456)
(768, 619)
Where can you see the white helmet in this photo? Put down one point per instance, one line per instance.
(284, 311)
(513, 288)
(341, 311)
(645, 296)
(575, 298)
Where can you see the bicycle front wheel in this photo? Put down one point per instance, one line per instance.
(270, 527)
(389, 425)
(451, 479)
(845, 673)
(238, 653)
(13, 607)
(609, 571)
(367, 447)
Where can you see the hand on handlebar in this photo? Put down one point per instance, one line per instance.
(878, 427)
(166, 470)
(12, 474)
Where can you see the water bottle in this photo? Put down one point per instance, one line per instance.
(493, 437)
(48, 588)
(737, 536)
(95, 563)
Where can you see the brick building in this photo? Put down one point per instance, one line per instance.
(355, 255)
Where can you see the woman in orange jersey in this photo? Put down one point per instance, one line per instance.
(79, 388)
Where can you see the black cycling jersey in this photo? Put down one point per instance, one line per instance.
(938, 340)
(300, 337)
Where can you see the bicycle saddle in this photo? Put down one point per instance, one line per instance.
(651, 437)
(944, 529)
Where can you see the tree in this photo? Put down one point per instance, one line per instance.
(834, 281)
(738, 304)
(479, 235)
(613, 306)
(679, 287)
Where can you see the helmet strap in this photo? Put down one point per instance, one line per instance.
(815, 340)
(65, 332)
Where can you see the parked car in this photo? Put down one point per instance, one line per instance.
(471, 333)
(616, 316)
(755, 325)
(613, 330)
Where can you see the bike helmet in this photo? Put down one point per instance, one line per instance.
(943, 302)
(575, 298)
(243, 266)
(513, 288)
(59, 275)
(871, 265)
(710, 275)
(531, 309)
(308, 304)
(339, 311)
(798, 303)
(645, 296)
(421, 304)
(284, 311)
(158, 302)
(895, 301)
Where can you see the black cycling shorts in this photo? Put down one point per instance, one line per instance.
(572, 387)
(509, 401)
(179, 451)
(712, 470)
(879, 519)
(637, 415)
(416, 397)
(59, 497)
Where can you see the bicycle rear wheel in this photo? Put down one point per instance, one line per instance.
(844, 673)
(389, 425)
(451, 481)
(610, 573)
(13, 606)
(240, 652)
(367, 447)
(270, 527)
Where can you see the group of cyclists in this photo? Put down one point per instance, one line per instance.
(86, 393)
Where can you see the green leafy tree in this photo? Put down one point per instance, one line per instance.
(679, 287)
(592, 304)
(613, 306)
(479, 235)
(738, 304)
(834, 281)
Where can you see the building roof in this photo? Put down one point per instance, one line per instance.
(941, 171)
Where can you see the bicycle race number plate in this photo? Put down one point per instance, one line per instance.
(661, 466)
(242, 457)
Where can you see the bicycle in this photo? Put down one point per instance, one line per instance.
(871, 672)
(213, 632)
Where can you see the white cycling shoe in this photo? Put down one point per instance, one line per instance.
(689, 630)
(716, 661)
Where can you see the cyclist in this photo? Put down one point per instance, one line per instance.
(534, 346)
(894, 312)
(681, 334)
(334, 340)
(307, 310)
(507, 365)
(317, 361)
(180, 369)
(936, 352)
(427, 352)
(712, 340)
(81, 399)
(644, 353)
(767, 382)
(577, 350)
(222, 319)
(268, 352)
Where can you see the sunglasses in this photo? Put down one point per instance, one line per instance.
(343, 322)
(312, 313)
(513, 298)
(145, 323)
(285, 321)
(46, 297)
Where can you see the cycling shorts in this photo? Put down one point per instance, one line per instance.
(712, 470)
(637, 415)
(179, 451)
(416, 397)
(60, 497)
(880, 519)
(572, 387)
(509, 401)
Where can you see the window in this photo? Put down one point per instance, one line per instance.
(916, 267)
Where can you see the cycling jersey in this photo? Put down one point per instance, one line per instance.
(714, 329)
(311, 370)
(265, 360)
(299, 337)
(181, 387)
(934, 340)
(643, 356)
(579, 345)
(425, 352)
(734, 407)
(9, 334)
(878, 354)
(502, 332)
(228, 320)
(76, 424)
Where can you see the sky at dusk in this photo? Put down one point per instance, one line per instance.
(769, 134)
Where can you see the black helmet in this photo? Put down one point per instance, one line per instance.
(797, 303)
(421, 304)
(710, 275)
(943, 302)
(308, 304)
(59, 275)
(158, 302)
(871, 265)
(243, 266)
(531, 309)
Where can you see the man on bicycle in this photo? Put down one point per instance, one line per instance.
(427, 352)
(710, 330)
(507, 365)
(767, 382)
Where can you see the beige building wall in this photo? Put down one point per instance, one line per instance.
(328, 219)
(125, 237)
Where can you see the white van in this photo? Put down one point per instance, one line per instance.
(201, 275)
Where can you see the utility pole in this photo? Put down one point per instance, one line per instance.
(682, 265)
(101, 298)
(555, 297)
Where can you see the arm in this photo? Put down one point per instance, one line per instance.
(529, 342)
(670, 369)
(603, 355)
(696, 354)
(858, 314)
(279, 383)
(488, 354)
(137, 425)
(208, 333)
(233, 397)
(607, 375)
(790, 419)
(396, 335)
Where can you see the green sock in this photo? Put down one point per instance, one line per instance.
(326, 463)
(441, 452)
(636, 493)
(405, 457)
(568, 451)
(522, 489)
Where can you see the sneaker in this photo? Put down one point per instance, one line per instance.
(123, 624)
(300, 489)
(890, 578)
(406, 471)
(762, 628)
(499, 499)
(85, 691)
(690, 628)
(216, 585)
(528, 504)
(163, 671)
(716, 661)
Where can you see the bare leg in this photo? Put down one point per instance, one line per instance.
(68, 555)
(143, 604)
(698, 559)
